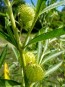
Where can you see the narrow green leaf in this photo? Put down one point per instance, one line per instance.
(52, 56)
(39, 2)
(48, 8)
(17, 55)
(43, 5)
(10, 33)
(6, 37)
(39, 50)
(7, 84)
(54, 68)
(2, 14)
(3, 55)
(44, 51)
(11, 82)
(48, 35)
(11, 36)
(32, 3)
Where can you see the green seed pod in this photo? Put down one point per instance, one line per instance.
(29, 57)
(34, 72)
(27, 15)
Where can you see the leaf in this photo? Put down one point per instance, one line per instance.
(3, 55)
(48, 8)
(54, 68)
(48, 35)
(10, 82)
(39, 50)
(43, 5)
(7, 84)
(39, 2)
(6, 37)
(44, 51)
(9, 31)
(16, 53)
(13, 40)
(52, 56)
(32, 3)
(2, 14)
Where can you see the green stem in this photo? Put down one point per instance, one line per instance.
(15, 30)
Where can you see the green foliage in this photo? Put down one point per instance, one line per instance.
(34, 64)
(8, 83)
(48, 35)
(3, 55)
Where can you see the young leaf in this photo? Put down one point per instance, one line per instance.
(54, 68)
(48, 35)
(48, 8)
(3, 55)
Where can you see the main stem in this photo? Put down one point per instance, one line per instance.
(15, 30)
(12, 21)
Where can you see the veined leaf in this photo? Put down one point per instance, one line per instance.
(48, 8)
(3, 55)
(54, 68)
(48, 35)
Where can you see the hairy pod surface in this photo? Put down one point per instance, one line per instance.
(29, 58)
(27, 15)
(34, 72)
